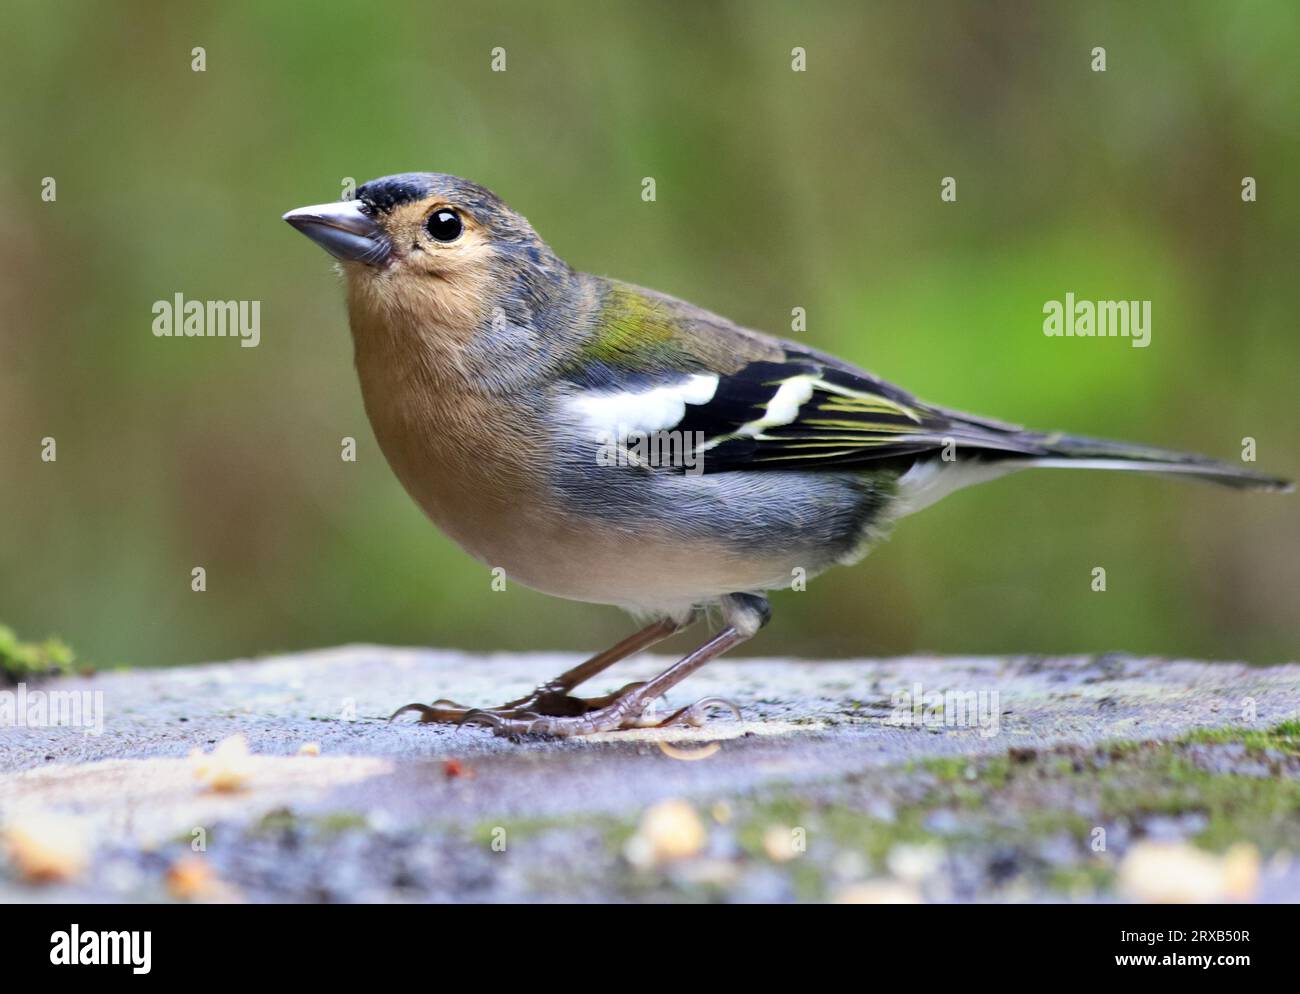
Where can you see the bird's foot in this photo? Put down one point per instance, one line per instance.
(551, 710)
(546, 712)
(547, 701)
(630, 710)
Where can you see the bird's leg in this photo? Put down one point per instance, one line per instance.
(625, 711)
(552, 697)
(570, 679)
(745, 615)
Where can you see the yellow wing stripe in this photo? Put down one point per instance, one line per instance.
(856, 400)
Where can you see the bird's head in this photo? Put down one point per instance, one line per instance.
(431, 244)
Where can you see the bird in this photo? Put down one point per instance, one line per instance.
(611, 444)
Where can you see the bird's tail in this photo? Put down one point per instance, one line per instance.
(1077, 452)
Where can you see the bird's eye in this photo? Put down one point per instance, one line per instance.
(444, 225)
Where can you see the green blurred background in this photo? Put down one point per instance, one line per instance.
(776, 189)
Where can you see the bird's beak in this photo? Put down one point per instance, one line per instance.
(344, 231)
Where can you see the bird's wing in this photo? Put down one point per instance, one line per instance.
(749, 401)
(742, 400)
(803, 411)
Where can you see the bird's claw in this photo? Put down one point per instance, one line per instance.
(693, 714)
(426, 712)
(479, 716)
(563, 716)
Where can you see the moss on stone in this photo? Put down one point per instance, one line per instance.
(21, 661)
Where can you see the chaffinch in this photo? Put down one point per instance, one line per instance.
(607, 443)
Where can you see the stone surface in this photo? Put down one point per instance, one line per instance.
(401, 811)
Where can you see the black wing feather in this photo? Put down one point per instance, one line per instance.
(850, 419)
